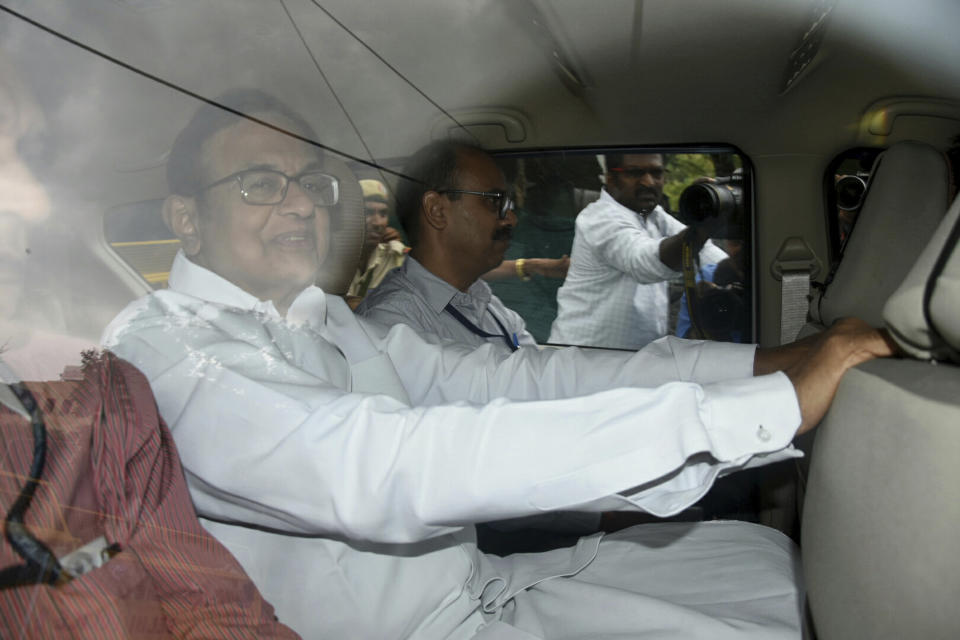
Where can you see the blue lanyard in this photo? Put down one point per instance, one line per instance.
(512, 342)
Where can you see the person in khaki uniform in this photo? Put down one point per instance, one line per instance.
(383, 250)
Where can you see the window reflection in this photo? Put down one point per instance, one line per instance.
(34, 344)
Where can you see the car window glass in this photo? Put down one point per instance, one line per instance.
(845, 185)
(553, 189)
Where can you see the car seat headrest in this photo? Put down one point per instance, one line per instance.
(922, 315)
(346, 230)
(906, 198)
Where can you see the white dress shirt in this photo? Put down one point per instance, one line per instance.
(413, 296)
(341, 461)
(616, 291)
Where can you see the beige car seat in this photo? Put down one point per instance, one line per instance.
(880, 542)
(906, 199)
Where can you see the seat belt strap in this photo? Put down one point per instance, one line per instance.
(794, 266)
(794, 301)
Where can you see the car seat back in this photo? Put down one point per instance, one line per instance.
(880, 549)
(906, 199)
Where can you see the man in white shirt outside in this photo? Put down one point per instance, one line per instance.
(342, 461)
(626, 249)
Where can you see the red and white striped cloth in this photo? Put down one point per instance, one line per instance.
(112, 470)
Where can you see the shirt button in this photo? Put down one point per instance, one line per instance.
(763, 434)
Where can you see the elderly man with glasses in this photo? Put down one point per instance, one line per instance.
(343, 461)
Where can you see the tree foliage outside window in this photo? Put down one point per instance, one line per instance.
(683, 169)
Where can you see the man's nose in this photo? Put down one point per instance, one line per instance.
(648, 180)
(20, 193)
(511, 219)
(297, 202)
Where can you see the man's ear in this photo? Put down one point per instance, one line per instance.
(434, 210)
(180, 216)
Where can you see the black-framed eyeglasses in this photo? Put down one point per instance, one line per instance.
(266, 186)
(498, 201)
(636, 173)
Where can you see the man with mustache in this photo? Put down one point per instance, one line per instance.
(625, 250)
(440, 290)
(458, 232)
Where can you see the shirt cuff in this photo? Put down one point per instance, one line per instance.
(751, 416)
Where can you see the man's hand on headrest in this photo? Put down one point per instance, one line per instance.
(816, 375)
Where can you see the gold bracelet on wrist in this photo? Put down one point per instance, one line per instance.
(520, 271)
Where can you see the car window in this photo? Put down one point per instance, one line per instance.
(138, 235)
(845, 185)
(613, 298)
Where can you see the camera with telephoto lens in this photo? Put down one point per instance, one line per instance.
(721, 311)
(718, 203)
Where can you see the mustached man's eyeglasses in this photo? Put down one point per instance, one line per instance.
(636, 173)
(265, 186)
(497, 201)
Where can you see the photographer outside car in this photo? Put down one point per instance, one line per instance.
(626, 249)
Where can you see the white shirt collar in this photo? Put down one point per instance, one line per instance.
(189, 278)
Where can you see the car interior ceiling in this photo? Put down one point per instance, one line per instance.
(877, 490)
